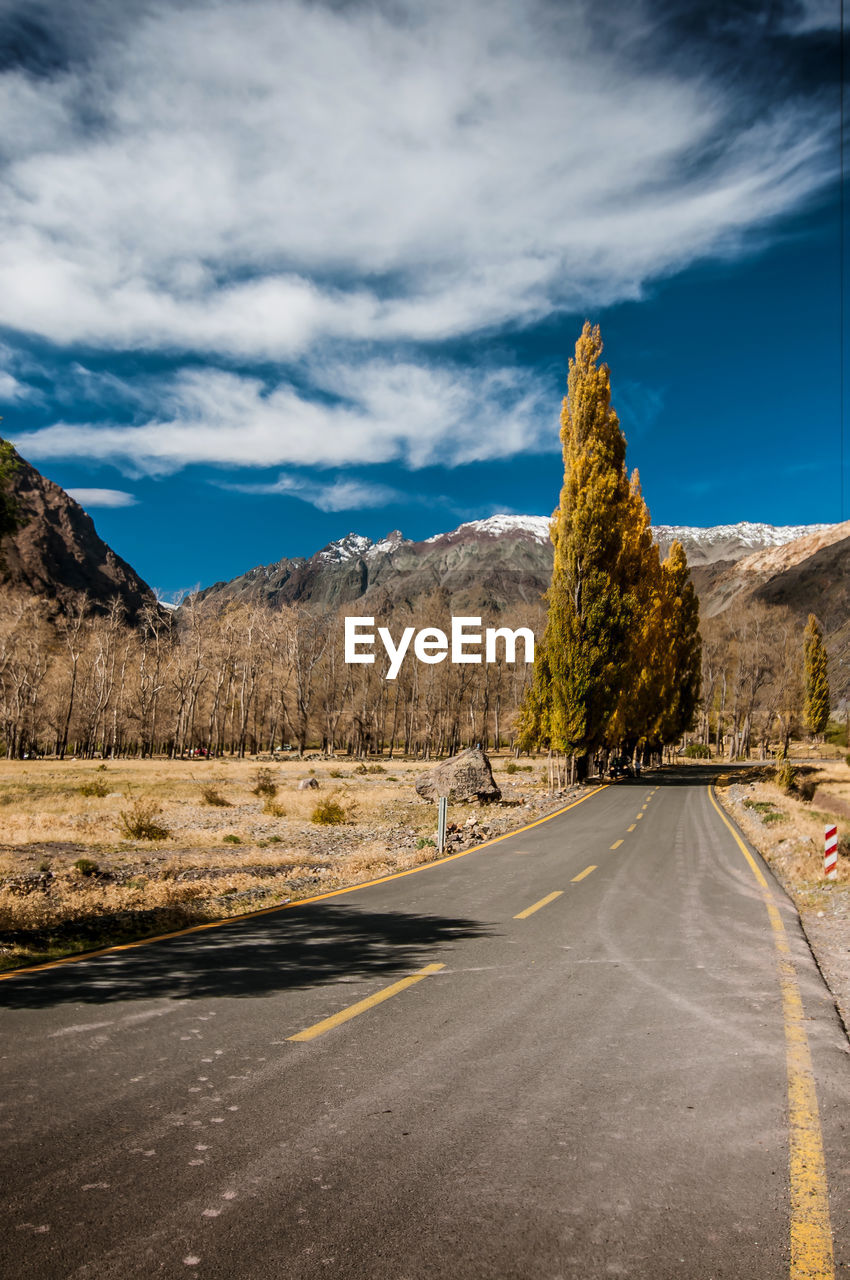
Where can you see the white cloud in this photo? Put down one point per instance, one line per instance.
(341, 494)
(381, 411)
(102, 497)
(266, 175)
(12, 389)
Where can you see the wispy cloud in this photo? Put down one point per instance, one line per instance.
(333, 189)
(381, 411)
(253, 178)
(11, 389)
(341, 494)
(102, 498)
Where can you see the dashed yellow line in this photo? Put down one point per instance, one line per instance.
(633, 827)
(616, 845)
(811, 1233)
(582, 874)
(638, 817)
(327, 1024)
(529, 911)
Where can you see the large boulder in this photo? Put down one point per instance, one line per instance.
(467, 776)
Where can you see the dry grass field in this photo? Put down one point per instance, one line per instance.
(93, 853)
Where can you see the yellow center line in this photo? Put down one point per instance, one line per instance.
(811, 1233)
(529, 911)
(616, 845)
(644, 806)
(638, 817)
(327, 1024)
(582, 874)
(633, 827)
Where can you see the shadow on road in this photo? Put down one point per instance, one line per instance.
(700, 775)
(259, 957)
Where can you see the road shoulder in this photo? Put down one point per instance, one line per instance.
(823, 907)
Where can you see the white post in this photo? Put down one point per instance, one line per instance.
(442, 815)
(830, 853)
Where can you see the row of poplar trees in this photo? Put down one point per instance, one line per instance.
(619, 666)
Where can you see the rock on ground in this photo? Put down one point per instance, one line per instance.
(467, 776)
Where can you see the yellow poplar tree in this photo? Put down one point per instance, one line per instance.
(642, 685)
(817, 677)
(592, 603)
(681, 648)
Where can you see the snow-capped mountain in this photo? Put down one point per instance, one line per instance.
(703, 546)
(496, 526)
(730, 541)
(498, 562)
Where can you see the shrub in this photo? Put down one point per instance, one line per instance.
(273, 809)
(336, 773)
(231, 840)
(329, 813)
(784, 776)
(85, 867)
(765, 810)
(376, 768)
(424, 842)
(511, 767)
(806, 788)
(697, 751)
(96, 788)
(264, 783)
(211, 795)
(847, 758)
(139, 822)
(361, 768)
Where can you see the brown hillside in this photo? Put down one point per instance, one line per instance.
(57, 553)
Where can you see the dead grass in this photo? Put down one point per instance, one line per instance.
(215, 860)
(789, 830)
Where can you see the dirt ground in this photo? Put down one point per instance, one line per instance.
(228, 837)
(788, 830)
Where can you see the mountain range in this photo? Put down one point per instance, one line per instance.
(499, 565)
(506, 560)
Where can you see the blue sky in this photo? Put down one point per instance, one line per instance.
(275, 270)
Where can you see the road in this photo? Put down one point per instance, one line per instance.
(613, 1035)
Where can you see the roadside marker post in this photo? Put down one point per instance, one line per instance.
(830, 852)
(442, 816)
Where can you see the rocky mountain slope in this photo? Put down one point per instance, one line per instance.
(506, 561)
(489, 565)
(503, 565)
(57, 553)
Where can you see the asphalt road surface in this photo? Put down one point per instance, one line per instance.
(616, 1057)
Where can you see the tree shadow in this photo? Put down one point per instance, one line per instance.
(249, 957)
(702, 775)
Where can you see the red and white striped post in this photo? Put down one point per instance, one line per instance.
(830, 853)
